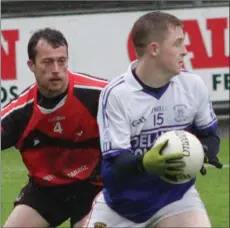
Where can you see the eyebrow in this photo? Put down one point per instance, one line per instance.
(46, 58)
(180, 38)
(50, 58)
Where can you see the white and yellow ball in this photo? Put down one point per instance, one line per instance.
(189, 144)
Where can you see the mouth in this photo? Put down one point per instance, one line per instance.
(55, 79)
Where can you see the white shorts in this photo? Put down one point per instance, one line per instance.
(104, 216)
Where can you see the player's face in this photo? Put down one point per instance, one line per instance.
(172, 51)
(50, 68)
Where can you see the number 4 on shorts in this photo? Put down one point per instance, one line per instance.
(58, 128)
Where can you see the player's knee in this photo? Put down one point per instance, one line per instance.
(25, 216)
(82, 223)
(201, 218)
(186, 219)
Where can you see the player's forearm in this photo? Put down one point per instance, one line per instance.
(211, 141)
(6, 140)
(127, 165)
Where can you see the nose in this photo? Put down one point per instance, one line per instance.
(184, 51)
(55, 67)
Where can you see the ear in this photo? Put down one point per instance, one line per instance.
(30, 64)
(153, 48)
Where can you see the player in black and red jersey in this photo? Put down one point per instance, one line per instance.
(53, 125)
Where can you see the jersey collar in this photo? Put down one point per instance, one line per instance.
(130, 79)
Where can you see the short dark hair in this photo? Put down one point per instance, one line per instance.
(53, 37)
(152, 26)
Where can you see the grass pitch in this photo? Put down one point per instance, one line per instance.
(213, 188)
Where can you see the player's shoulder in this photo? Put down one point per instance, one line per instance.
(24, 99)
(190, 79)
(117, 87)
(83, 80)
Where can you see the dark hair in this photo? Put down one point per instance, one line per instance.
(53, 37)
(152, 26)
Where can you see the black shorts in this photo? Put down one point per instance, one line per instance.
(57, 204)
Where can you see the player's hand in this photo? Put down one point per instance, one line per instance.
(203, 170)
(157, 164)
(214, 161)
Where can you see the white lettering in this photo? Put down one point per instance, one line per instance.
(77, 171)
(48, 178)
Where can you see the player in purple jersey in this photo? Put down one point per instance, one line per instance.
(152, 97)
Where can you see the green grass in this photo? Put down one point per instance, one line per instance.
(213, 188)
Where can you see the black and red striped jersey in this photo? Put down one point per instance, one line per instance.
(58, 138)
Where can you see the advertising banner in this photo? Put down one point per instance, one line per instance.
(99, 44)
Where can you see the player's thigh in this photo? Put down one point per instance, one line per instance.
(46, 201)
(102, 216)
(190, 204)
(25, 216)
(84, 195)
(194, 218)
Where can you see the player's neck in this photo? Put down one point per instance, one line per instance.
(51, 94)
(151, 75)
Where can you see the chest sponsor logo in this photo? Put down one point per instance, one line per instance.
(56, 118)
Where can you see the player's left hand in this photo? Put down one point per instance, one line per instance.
(213, 161)
(203, 171)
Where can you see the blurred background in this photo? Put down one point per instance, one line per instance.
(99, 44)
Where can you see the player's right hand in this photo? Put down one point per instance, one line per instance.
(158, 164)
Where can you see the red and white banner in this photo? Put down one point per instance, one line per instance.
(99, 44)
